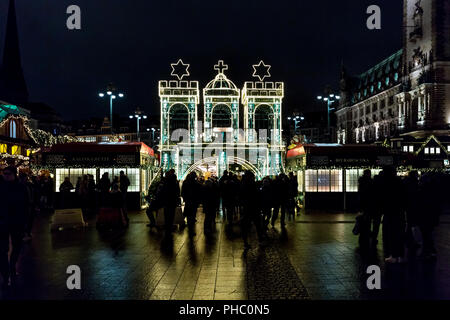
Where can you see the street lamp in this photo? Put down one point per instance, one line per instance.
(110, 92)
(330, 99)
(138, 115)
(153, 134)
(297, 120)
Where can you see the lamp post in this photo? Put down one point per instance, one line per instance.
(111, 91)
(330, 99)
(296, 120)
(138, 115)
(153, 134)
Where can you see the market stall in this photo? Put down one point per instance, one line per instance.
(328, 173)
(74, 160)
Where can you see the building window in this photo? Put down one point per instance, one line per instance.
(3, 148)
(431, 150)
(16, 150)
(73, 175)
(411, 148)
(448, 148)
(427, 150)
(438, 150)
(323, 181)
(336, 180)
(391, 101)
(12, 129)
(311, 181)
(351, 180)
(405, 148)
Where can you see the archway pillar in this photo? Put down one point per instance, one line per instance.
(258, 93)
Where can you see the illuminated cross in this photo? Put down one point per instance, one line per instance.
(220, 66)
(258, 73)
(180, 69)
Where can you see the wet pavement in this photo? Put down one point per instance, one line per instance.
(316, 257)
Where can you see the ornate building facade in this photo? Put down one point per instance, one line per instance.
(406, 97)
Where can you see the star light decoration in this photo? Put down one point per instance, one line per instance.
(260, 66)
(180, 69)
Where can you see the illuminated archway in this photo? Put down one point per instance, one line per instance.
(213, 161)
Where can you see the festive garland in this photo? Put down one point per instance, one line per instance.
(40, 137)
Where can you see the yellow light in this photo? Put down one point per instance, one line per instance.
(3, 148)
(15, 150)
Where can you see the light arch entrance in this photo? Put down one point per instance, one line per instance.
(214, 161)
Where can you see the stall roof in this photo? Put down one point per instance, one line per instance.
(107, 147)
(336, 149)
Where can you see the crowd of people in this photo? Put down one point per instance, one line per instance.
(241, 198)
(22, 196)
(408, 208)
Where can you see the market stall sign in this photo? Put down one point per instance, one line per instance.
(91, 160)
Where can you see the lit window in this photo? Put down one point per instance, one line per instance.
(405, 148)
(73, 175)
(28, 152)
(431, 150)
(438, 150)
(411, 148)
(13, 129)
(311, 180)
(16, 150)
(336, 180)
(448, 148)
(323, 181)
(427, 150)
(133, 176)
(351, 179)
(3, 148)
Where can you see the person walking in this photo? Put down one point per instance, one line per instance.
(411, 185)
(428, 218)
(249, 198)
(293, 193)
(171, 199)
(393, 200)
(103, 186)
(209, 206)
(282, 198)
(366, 201)
(13, 217)
(190, 192)
(265, 199)
(124, 183)
(84, 191)
(64, 189)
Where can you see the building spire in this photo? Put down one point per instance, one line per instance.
(13, 87)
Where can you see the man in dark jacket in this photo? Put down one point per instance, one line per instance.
(249, 196)
(366, 206)
(171, 199)
(13, 217)
(190, 192)
(103, 186)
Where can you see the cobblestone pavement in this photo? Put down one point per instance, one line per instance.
(315, 258)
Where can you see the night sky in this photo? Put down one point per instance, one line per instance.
(133, 42)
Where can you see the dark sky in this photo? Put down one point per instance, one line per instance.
(133, 42)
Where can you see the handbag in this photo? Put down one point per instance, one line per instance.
(179, 217)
